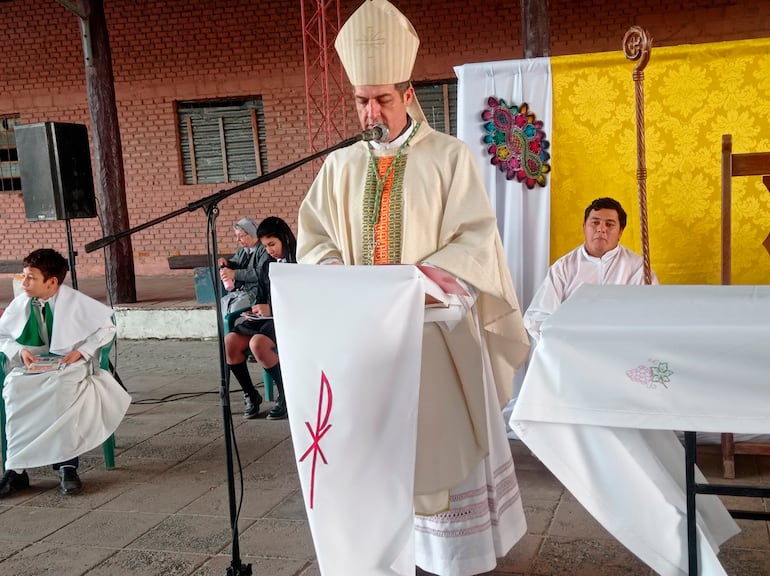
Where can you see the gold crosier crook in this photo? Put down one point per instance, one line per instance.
(636, 46)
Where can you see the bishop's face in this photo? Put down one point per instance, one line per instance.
(383, 104)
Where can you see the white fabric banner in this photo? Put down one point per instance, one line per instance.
(350, 340)
(523, 215)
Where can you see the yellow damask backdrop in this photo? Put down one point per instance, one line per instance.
(693, 95)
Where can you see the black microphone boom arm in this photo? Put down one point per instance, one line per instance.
(209, 205)
(214, 199)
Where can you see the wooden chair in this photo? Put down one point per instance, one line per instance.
(108, 446)
(749, 164)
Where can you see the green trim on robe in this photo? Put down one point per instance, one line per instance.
(30, 336)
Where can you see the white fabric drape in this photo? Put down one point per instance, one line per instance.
(523, 215)
(58, 415)
(351, 341)
(601, 397)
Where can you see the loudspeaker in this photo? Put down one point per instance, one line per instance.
(55, 171)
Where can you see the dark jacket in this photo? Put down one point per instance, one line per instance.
(248, 270)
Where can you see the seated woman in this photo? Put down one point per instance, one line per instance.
(258, 334)
(241, 273)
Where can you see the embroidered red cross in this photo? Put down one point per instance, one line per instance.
(321, 428)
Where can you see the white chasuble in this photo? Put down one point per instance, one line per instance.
(350, 346)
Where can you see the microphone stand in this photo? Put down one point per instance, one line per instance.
(210, 205)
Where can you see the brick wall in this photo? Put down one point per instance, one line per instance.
(164, 52)
(599, 25)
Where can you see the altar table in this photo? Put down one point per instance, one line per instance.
(616, 371)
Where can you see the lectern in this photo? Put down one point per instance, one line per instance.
(350, 340)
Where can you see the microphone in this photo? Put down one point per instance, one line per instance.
(377, 133)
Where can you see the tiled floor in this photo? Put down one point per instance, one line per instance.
(164, 509)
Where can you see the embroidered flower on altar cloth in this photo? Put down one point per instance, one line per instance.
(517, 143)
(651, 376)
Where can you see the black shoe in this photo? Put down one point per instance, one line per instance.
(251, 406)
(278, 412)
(69, 481)
(12, 482)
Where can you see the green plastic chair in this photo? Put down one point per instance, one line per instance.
(268, 380)
(108, 447)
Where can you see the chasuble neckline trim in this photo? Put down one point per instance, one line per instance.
(384, 172)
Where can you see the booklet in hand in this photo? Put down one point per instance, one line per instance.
(44, 364)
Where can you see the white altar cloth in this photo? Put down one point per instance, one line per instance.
(617, 369)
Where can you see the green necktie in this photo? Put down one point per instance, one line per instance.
(48, 317)
(44, 320)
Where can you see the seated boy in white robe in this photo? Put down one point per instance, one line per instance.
(53, 416)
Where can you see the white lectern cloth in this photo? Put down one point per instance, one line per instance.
(350, 340)
(618, 368)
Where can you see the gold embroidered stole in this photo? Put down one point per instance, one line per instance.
(382, 224)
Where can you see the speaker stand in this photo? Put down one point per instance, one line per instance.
(71, 252)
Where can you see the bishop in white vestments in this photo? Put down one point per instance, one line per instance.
(416, 197)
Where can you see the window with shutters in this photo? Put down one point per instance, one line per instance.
(439, 103)
(222, 141)
(10, 180)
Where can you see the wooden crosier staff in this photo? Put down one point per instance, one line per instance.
(636, 46)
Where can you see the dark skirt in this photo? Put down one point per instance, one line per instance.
(251, 327)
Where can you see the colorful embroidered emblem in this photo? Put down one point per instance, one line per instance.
(517, 142)
(651, 376)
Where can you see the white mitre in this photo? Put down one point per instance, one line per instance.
(377, 45)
